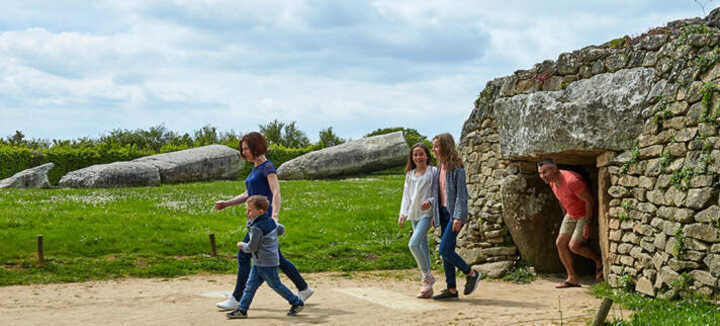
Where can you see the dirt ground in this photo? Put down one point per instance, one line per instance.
(367, 298)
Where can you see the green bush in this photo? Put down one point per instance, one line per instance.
(14, 159)
(279, 155)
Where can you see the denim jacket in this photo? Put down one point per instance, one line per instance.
(456, 194)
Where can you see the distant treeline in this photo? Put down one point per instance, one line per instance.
(286, 142)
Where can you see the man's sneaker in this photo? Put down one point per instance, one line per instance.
(446, 295)
(237, 314)
(472, 282)
(305, 294)
(294, 309)
(228, 304)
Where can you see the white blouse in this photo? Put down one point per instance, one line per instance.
(417, 189)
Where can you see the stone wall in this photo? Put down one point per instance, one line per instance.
(644, 111)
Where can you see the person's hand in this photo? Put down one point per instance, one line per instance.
(401, 220)
(425, 205)
(586, 231)
(240, 244)
(456, 225)
(220, 205)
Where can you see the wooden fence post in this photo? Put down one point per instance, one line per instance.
(212, 245)
(40, 251)
(602, 312)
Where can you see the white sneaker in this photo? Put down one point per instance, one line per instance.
(305, 294)
(229, 304)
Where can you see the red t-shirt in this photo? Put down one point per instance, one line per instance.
(567, 193)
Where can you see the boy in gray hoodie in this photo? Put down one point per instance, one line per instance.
(263, 246)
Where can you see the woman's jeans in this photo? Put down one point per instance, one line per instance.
(244, 270)
(258, 275)
(451, 260)
(419, 243)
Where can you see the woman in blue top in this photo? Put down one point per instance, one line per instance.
(262, 180)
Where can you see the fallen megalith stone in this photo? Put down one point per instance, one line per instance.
(210, 162)
(36, 177)
(117, 174)
(359, 156)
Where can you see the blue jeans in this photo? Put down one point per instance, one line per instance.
(244, 270)
(419, 243)
(451, 260)
(258, 275)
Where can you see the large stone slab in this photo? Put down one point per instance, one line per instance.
(118, 174)
(36, 177)
(598, 113)
(358, 156)
(533, 216)
(212, 162)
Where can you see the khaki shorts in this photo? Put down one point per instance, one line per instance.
(574, 227)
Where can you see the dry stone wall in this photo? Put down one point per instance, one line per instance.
(645, 112)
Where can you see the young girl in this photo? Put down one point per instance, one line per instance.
(451, 213)
(416, 202)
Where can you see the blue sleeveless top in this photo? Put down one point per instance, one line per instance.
(256, 182)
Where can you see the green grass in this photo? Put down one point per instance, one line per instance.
(333, 225)
(695, 311)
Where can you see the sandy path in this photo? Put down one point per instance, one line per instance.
(368, 299)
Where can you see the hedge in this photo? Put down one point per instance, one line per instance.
(14, 159)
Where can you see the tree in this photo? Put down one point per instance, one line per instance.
(293, 137)
(273, 131)
(17, 139)
(284, 134)
(328, 138)
(206, 135)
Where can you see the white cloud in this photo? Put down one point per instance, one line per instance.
(73, 69)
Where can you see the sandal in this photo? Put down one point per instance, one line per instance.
(566, 284)
(599, 273)
(425, 294)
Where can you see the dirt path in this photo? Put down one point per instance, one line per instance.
(367, 299)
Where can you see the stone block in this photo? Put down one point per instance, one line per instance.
(644, 286)
(712, 261)
(702, 231)
(710, 214)
(701, 198)
(704, 277)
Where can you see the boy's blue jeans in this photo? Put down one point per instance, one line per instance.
(244, 270)
(258, 275)
(418, 243)
(447, 250)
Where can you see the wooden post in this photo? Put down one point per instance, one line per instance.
(212, 245)
(41, 254)
(602, 312)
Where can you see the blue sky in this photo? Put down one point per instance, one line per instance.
(72, 69)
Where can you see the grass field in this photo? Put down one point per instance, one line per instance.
(333, 225)
(691, 311)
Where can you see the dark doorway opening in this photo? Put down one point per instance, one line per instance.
(533, 214)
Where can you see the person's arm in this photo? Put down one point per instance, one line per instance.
(460, 199)
(405, 203)
(254, 243)
(589, 210)
(222, 204)
(272, 179)
(589, 203)
(430, 200)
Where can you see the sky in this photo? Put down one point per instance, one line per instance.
(71, 69)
